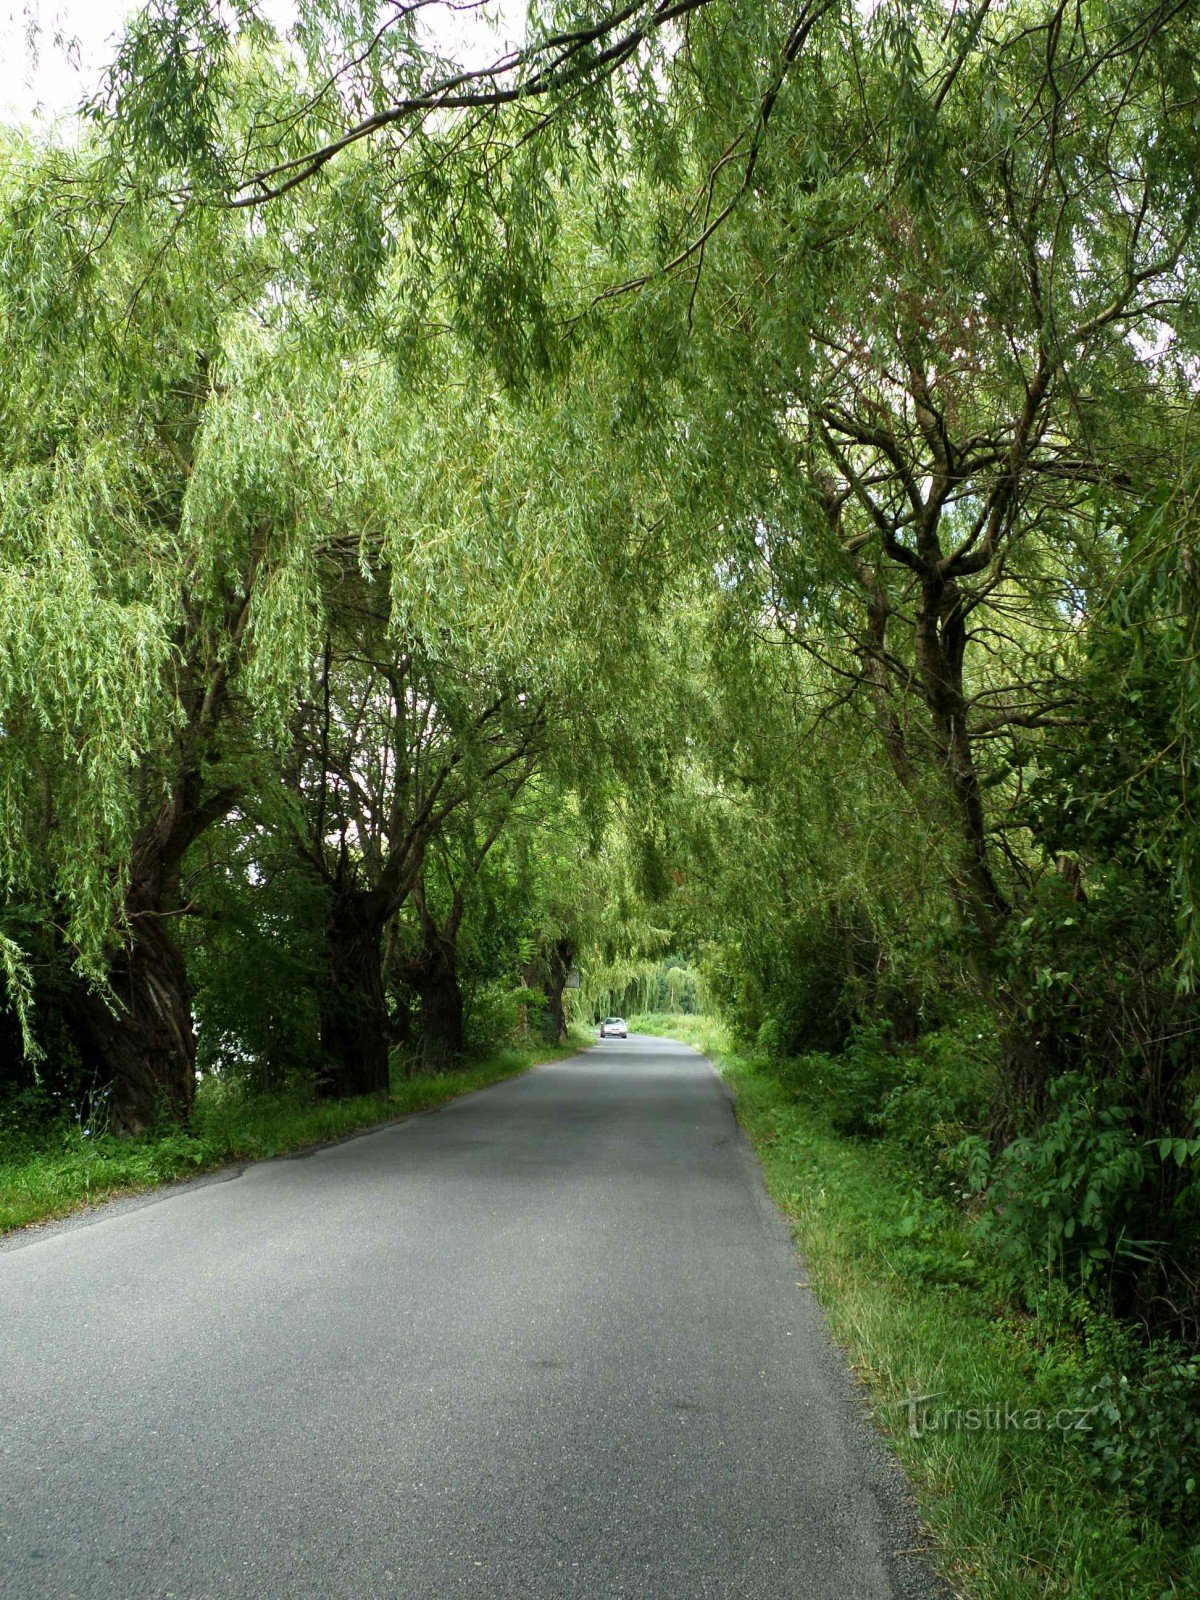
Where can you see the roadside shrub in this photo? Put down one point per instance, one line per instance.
(925, 1098)
(771, 1038)
(802, 989)
(26, 1113)
(1143, 1436)
(935, 1110)
(852, 1086)
(864, 1078)
(1087, 1198)
(492, 1014)
(1065, 1198)
(811, 1008)
(40, 1089)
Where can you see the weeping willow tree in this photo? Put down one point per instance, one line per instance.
(181, 465)
(134, 586)
(207, 464)
(396, 748)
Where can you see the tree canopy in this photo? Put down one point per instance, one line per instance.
(702, 503)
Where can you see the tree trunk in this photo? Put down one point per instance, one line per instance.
(558, 965)
(440, 1016)
(432, 975)
(139, 1039)
(353, 1011)
(15, 1071)
(941, 639)
(548, 971)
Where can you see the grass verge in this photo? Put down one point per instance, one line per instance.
(60, 1171)
(1008, 1497)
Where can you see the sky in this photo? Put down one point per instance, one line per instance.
(52, 83)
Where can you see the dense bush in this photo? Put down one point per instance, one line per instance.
(1085, 1197)
(1143, 1433)
(495, 1013)
(51, 1083)
(1065, 1221)
(934, 1113)
(925, 1097)
(822, 978)
(256, 957)
(1065, 1200)
(860, 1082)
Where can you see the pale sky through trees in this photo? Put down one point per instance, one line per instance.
(75, 39)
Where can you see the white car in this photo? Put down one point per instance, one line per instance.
(614, 1028)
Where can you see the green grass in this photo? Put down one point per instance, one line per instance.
(53, 1173)
(1014, 1513)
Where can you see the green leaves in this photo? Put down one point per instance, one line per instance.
(1180, 1151)
(163, 99)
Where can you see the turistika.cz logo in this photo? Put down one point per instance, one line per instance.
(926, 1415)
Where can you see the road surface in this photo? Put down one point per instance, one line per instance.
(549, 1341)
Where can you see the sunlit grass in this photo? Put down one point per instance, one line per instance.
(53, 1173)
(1013, 1513)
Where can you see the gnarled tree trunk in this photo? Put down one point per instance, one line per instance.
(139, 1037)
(558, 966)
(548, 971)
(432, 975)
(353, 1010)
(941, 640)
(136, 1037)
(440, 1008)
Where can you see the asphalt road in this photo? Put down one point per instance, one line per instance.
(550, 1341)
